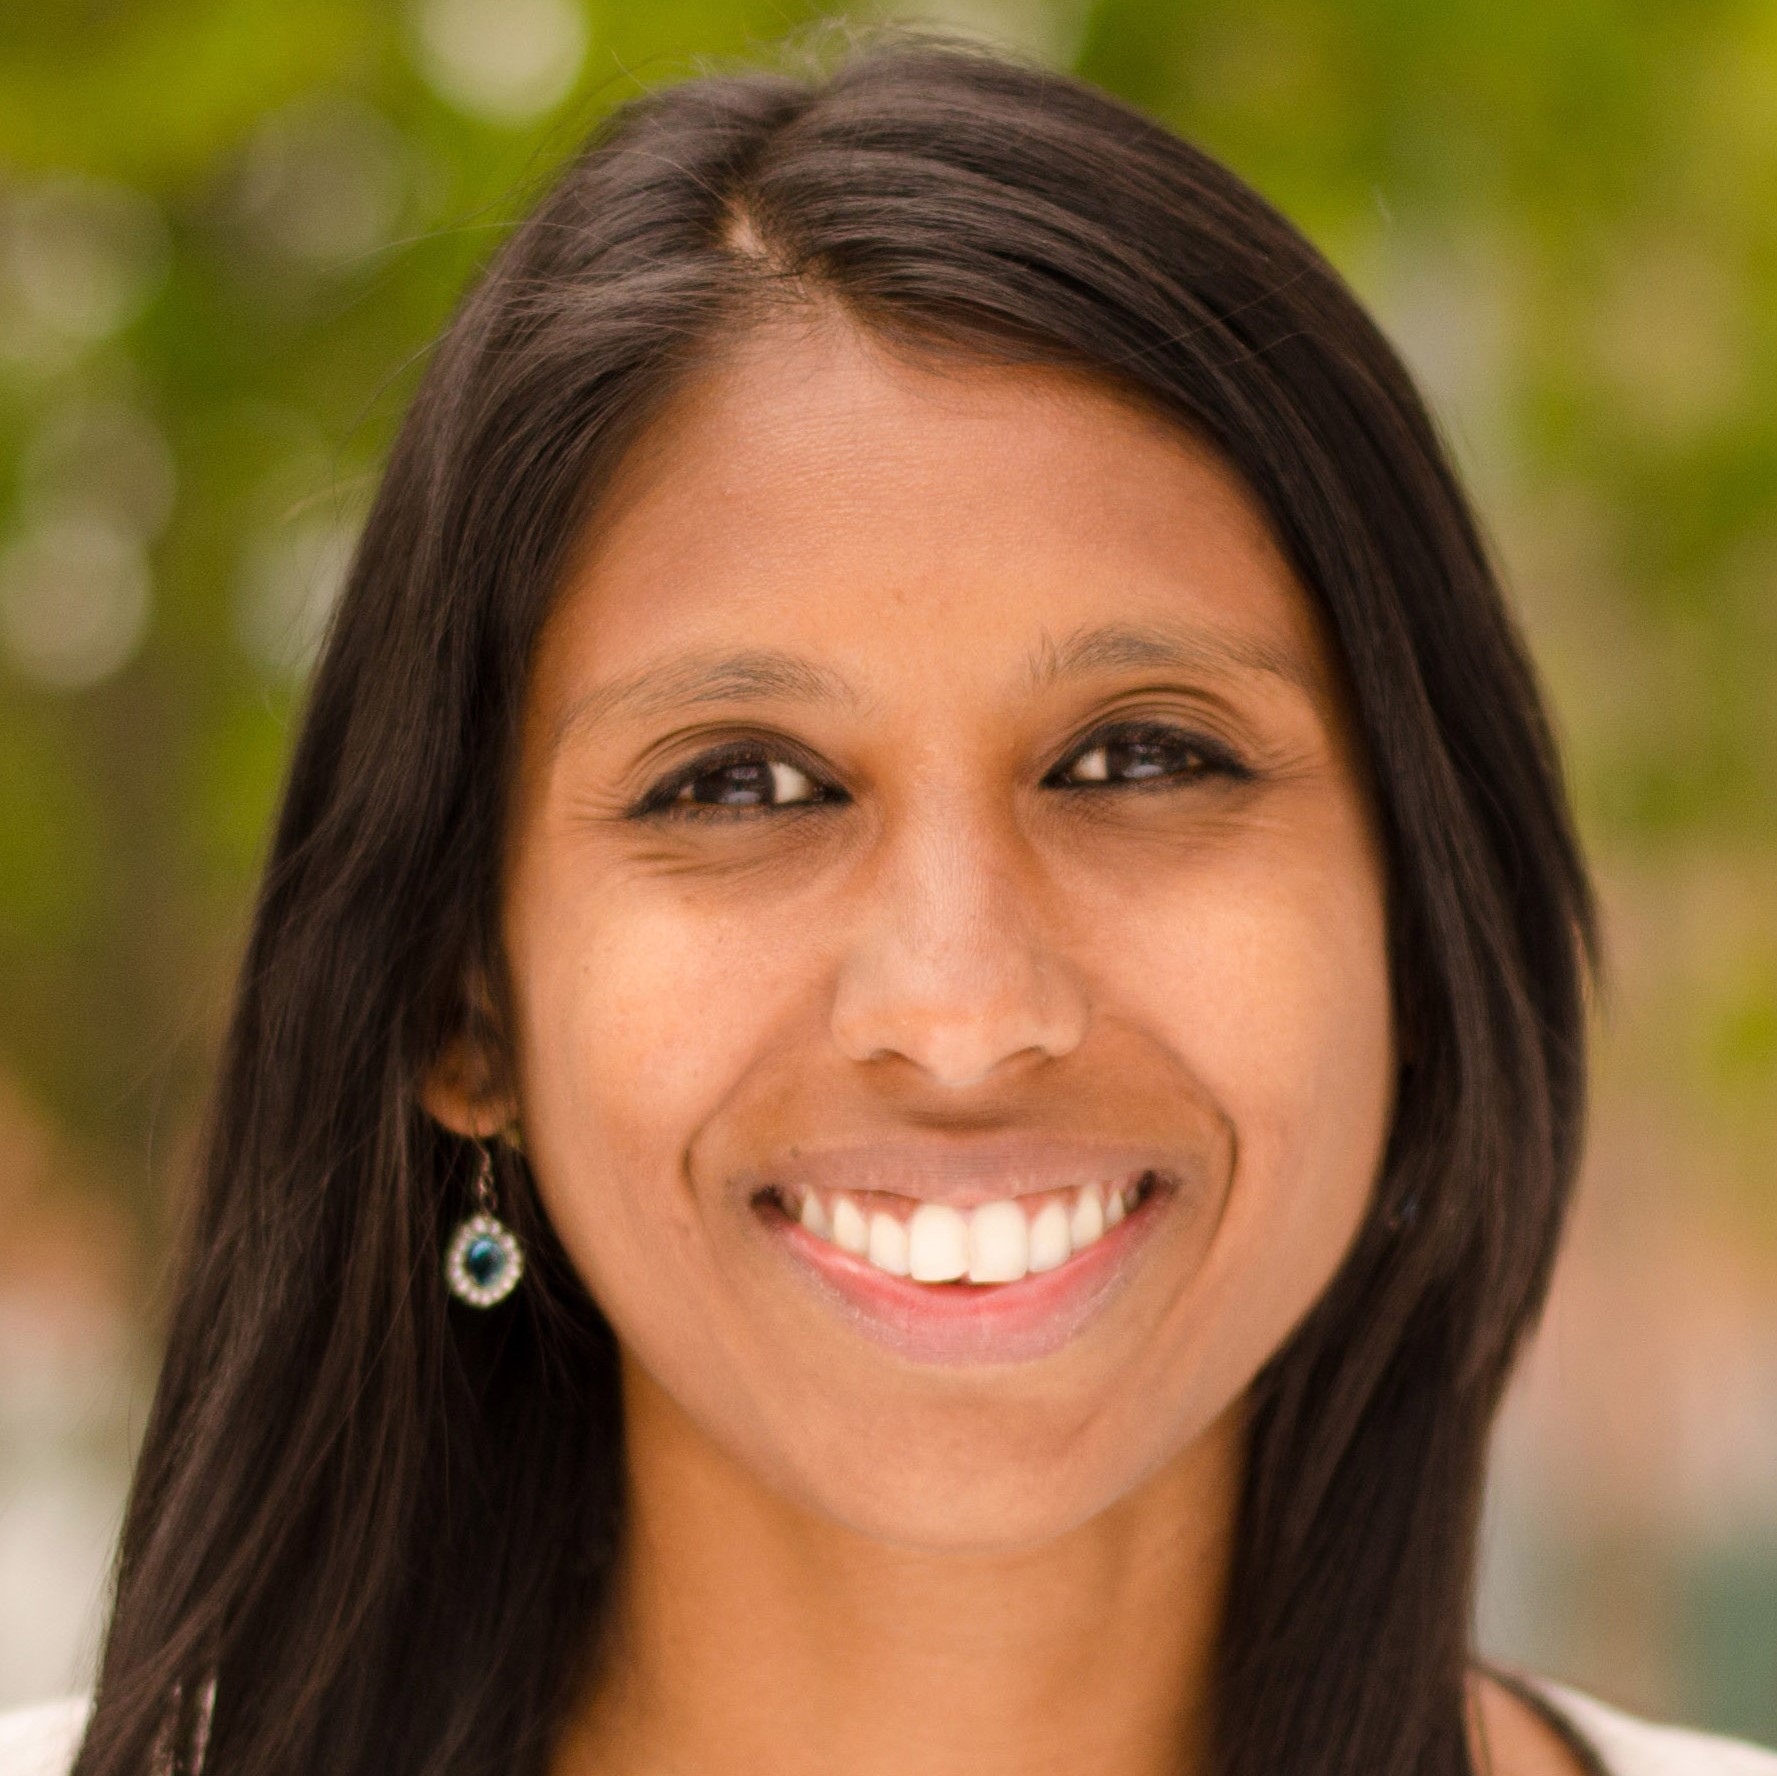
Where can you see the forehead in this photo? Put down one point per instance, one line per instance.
(816, 492)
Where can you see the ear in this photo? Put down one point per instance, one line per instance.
(467, 1088)
(458, 1094)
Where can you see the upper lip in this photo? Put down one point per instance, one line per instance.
(965, 1173)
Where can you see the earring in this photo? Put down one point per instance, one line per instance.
(484, 1262)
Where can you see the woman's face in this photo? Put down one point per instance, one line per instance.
(938, 830)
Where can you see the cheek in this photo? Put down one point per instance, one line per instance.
(1271, 983)
(635, 1022)
(1277, 994)
(638, 1015)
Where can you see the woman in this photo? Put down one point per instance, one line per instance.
(912, 1055)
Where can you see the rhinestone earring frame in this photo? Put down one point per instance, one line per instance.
(484, 1261)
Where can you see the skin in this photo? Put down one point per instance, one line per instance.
(842, 1558)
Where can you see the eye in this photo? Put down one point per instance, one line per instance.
(1140, 753)
(731, 781)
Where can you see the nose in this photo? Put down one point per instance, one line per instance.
(948, 967)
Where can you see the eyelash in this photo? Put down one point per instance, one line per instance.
(1213, 759)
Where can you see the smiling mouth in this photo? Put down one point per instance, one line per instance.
(994, 1243)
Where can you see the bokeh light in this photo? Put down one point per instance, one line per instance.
(505, 61)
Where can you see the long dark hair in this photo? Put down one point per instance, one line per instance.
(371, 1532)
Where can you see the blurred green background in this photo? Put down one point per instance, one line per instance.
(228, 230)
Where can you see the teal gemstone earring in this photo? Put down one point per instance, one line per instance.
(484, 1262)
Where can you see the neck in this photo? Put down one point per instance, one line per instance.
(749, 1632)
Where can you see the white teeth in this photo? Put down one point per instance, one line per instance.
(851, 1232)
(1087, 1221)
(937, 1244)
(1050, 1244)
(888, 1244)
(999, 1243)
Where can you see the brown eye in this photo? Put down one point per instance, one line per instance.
(733, 782)
(752, 783)
(1144, 754)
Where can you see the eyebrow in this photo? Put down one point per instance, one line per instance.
(759, 675)
(764, 675)
(1115, 646)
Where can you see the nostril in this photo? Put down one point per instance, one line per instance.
(960, 1012)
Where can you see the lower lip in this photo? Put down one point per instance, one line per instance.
(975, 1322)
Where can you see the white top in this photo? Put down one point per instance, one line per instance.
(40, 1741)
(1627, 1745)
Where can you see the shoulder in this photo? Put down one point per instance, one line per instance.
(41, 1740)
(1628, 1745)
